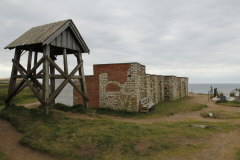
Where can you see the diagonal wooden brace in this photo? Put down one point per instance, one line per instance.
(34, 80)
(67, 79)
(21, 71)
(15, 91)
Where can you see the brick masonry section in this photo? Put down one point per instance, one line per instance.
(121, 87)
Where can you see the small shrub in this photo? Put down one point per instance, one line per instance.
(116, 112)
(75, 109)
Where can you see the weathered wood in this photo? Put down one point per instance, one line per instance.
(66, 79)
(20, 89)
(13, 80)
(19, 85)
(35, 60)
(61, 77)
(65, 62)
(29, 64)
(46, 89)
(52, 81)
(32, 77)
(82, 80)
(21, 71)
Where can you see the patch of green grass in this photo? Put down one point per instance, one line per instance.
(3, 156)
(230, 103)
(160, 110)
(25, 96)
(73, 139)
(220, 114)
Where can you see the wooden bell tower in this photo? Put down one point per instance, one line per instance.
(43, 44)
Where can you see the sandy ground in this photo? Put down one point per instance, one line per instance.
(222, 146)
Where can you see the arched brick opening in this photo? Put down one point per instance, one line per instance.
(113, 87)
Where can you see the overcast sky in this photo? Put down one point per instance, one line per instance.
(199, 39)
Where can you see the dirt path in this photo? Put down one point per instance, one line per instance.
(9, 139)
(221, 147)
(202, 99)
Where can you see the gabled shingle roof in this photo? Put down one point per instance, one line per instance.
(37, 35)
(43, 33)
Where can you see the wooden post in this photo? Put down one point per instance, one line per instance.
(35, 61)
(65, 62)
(46, 89)
(82, 80)
(52, 81)
(13, 80)
(29, 64)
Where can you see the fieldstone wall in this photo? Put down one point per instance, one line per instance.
(122, 86)
(122, 95)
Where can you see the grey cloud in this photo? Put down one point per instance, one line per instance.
(182, 37)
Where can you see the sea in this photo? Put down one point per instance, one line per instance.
(205, 87)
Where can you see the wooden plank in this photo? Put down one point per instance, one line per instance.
(46, 89)
(82, 80)
(74, 44)
(57, 33)
(13, 80)
(64, 39)
(29, 64)
(69, 37)
(59, 40)
(79, 38)
(65, 62)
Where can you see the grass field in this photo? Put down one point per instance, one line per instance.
(73, 139)
(232, 103)
(160, 110)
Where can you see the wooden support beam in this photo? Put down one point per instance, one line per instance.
(82, 80)
(52, 81)
(65, 62)
(29, 64)
(35, 60)
(21, 71)
(46, 89)
(61, 77)
(13, 80)
(67, 79)
(20, 89)
(19, 85)
(54, 76)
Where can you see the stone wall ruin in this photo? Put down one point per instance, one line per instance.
(122, 86)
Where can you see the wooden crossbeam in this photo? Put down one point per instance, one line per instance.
(15, 90)
(54, 76)
(67, 79)
(21, 71)
(34, 80)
